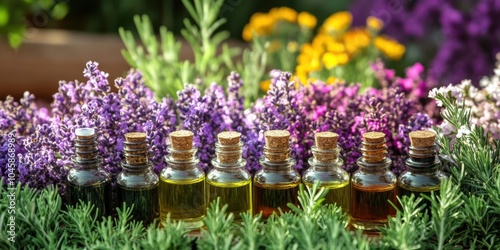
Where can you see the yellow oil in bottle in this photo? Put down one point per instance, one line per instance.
(338, 193)
(237, 195)
(183, 199)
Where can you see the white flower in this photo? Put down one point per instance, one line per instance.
(433, 93)
(463, 130)
(447, 128)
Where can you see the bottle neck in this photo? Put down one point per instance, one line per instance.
(136, 169)
(88, 164)
(374, 166)
(324, 159)
(228, 155)
(271, 166)
(182, 164)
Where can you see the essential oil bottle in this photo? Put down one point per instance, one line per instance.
(326, 167)
(423, 174)
(276, 184)
(182, 182)
(229, 179)
(137, 184)
(86, 180)
(372, 185)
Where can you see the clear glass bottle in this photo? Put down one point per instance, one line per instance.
(277, 183)
(423, 174)
(326, 167)
(86, 180)
(373, 185)
(229, 179)
(137, 184)
(182, 182)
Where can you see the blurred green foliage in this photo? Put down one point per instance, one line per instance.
(17, 15)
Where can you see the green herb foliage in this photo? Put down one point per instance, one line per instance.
(164, 71)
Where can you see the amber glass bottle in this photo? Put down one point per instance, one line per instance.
(326, 167)
(276, 184)
(137, 184)
(372, 185)
(182, 182)
(423, 174)
(86, 180)
(229, 180)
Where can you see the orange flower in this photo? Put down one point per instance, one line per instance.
(389, 47)
(307, 20)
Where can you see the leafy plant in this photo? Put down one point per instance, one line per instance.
(13, 16)
(160, 62)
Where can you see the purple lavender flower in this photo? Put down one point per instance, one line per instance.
(466, 31)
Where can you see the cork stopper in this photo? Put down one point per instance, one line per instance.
(326, 140)
(277, 147)
(229, 138)
(135, 137)
(277, 138)
(326, 147)
(374, 148)
(229, 148)
(422, 138)
(182, 145)
(136, 148)
(182, 140)
(373, 137)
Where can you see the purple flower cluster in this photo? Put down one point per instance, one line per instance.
(45, 143)
(339, 108)
(463, 35)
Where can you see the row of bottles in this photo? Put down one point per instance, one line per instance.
(183, 190)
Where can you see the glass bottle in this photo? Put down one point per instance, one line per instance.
(423, 174)
(229, 179)
(372, 185)
(326, 167)
(86, 180)
(182, 182)
(137, 184)
(276, 184)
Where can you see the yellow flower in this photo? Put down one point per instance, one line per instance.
(265, 85)
(261, 23)
(307, 20)
(333, 80)
(356, 40)
(331, 60)
(284, 13)
(389, 47)
(337, 22)
(247, 33)
(335, 47)
(374, 23)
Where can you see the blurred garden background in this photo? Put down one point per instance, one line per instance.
(453, 40)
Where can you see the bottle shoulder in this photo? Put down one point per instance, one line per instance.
(227, 176)
(331, 176)
(373, 178)
(88, 176)
(428, 179)
(191, 173)
(277, 177)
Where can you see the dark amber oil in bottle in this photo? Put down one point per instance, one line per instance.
(423, 174)
(372, 185)
(276, 184)
(326, 167)
(87, 181)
